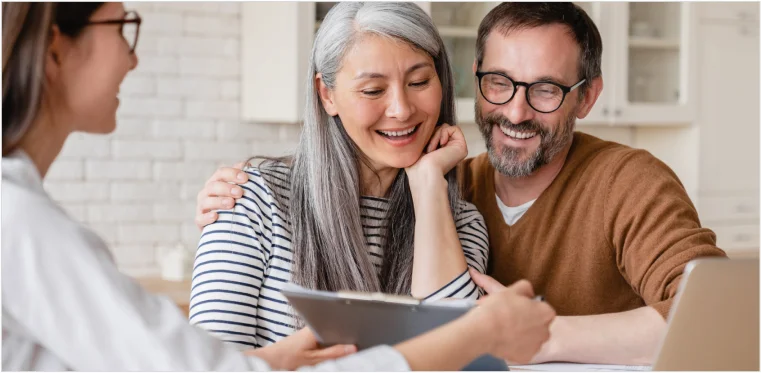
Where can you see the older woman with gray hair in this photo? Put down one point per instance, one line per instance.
(369, 201)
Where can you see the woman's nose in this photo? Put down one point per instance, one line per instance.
(133, 60)
(400, 107)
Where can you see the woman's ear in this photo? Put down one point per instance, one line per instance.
(54, 54)
(326, 95)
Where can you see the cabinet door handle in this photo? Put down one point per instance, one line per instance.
(618, 112)
(605, 111)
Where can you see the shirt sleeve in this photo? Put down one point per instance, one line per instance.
(65, 292)
(230, 265)
(653, 227)
(474, 240)
(376, 359)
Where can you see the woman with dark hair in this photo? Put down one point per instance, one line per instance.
(65, 304)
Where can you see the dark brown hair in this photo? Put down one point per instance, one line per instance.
(26, 37)
(512, 16)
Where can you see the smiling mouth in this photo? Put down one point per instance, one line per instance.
(398, 135)
(518, 135)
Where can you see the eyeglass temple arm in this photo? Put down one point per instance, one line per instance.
(577, 85)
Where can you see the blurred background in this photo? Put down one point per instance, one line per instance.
(218, 82)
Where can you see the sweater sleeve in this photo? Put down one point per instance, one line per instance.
(653, 227)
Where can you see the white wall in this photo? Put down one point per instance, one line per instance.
(177, 122)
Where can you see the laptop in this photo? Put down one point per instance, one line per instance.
(714, 322)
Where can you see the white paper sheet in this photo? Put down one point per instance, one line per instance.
(571, 367)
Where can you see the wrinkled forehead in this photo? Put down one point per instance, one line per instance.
(528, 54)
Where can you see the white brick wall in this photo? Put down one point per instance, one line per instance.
(77, 191)
(117, 170)
(119, 212)
(65, 169)
(128, 191)
(138, 149)
(178, 121)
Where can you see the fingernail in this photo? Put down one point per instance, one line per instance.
(228, 203)
(236, 192)
(241, 177)
(209, 214)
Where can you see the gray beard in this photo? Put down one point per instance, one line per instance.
(508, 163)
(507, 160)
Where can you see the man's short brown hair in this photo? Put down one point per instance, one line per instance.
(512, 16)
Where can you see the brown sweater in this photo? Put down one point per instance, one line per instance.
(612, 232)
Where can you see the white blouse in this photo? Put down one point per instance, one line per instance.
(66, 306)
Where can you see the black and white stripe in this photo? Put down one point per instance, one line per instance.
(245, 258)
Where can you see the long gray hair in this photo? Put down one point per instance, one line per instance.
(328, 241)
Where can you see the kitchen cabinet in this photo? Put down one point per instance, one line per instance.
(728, 11)
(601, 112)
(728, 121)
(648, 61)
(276, 40)
(458, 25)
(647, 64)
(653, 64)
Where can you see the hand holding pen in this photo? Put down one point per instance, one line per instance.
(522, 303)
(490, 285)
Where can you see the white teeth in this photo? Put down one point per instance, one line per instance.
(399, 133)
(517, 135)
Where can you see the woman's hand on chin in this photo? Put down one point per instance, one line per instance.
(444, 151)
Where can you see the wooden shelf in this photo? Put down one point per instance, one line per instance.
(653, 43)
(458, 32)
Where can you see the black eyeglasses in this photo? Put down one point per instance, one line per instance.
(544, 97)
(129, 26)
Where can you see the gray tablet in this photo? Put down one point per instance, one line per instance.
(371, 322)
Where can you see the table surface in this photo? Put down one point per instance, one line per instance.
(177, 291)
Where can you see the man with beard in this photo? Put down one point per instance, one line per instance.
(602, 230)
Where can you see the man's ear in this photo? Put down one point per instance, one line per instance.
(326, 95)
(590, 97)
(475, 66)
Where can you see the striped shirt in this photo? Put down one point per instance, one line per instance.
(245, 257)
